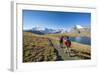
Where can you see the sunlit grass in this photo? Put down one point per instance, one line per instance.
(37, 48)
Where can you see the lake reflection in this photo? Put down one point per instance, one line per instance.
(83, 40)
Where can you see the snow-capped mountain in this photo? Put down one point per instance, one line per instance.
(79, 27)
(37, 29)
(40, 30)
(80, 30)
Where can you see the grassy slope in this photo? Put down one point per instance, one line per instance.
(37, 48)
(78, 48)
(84, 51)
(75, 45)
(46, 52)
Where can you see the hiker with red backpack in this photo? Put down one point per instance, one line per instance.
(67, 43)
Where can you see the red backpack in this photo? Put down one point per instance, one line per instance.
(67, 43)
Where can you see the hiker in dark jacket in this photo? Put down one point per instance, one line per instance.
(67, 43)
(61, 41)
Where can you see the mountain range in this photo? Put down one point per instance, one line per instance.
(75, 29)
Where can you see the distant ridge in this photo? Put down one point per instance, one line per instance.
(76, 29)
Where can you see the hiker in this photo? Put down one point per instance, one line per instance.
(67, 43)
(61, 41)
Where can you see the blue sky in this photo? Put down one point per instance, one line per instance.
(55, 20)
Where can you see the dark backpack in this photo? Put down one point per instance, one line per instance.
(61, 39)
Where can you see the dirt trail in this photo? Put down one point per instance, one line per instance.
(61, 52)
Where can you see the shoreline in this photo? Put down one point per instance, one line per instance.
(78, 47)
